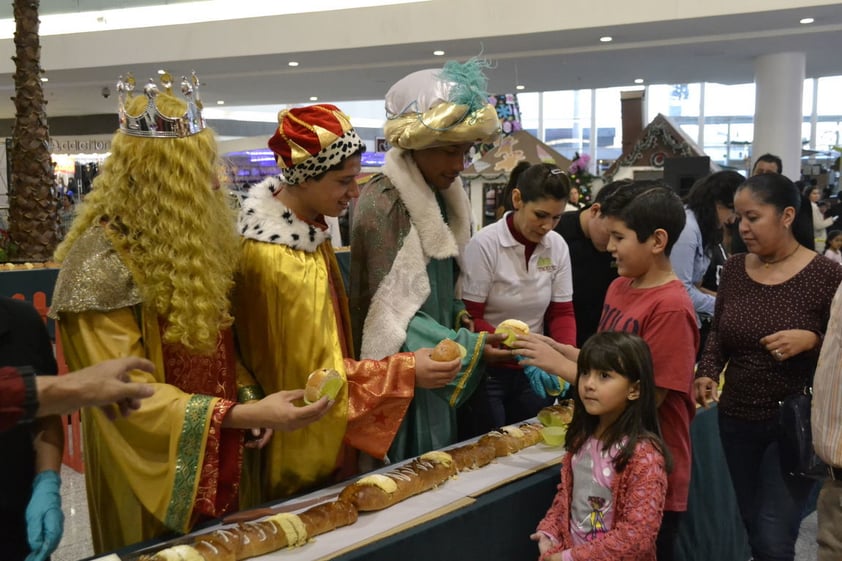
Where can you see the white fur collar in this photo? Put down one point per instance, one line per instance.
(265, 218)
(439, 239)
(406, 286)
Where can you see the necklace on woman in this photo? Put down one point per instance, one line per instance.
(767, 262)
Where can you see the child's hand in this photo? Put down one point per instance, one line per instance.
(537, 352)
(545, 544)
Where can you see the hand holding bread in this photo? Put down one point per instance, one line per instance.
(277, 411)
(437, 367)
(548, 355)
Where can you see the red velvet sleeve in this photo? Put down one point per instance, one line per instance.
(477, 311)
(12, 393)
(560, 322)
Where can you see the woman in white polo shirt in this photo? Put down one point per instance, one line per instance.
(519, 268)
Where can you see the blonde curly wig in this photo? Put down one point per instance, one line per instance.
(174, 231)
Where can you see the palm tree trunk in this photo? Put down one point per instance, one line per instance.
(33, 207)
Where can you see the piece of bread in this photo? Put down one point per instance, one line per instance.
(447, 350)
(177, 553)
(321, 382)
(531, 433)
(472, 456)
(557, 415)
(221, 545)
(382, 490)
(262, 537)
(329, 516)
(511, 328)
(505, 441)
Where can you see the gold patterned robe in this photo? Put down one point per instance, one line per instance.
(291, 317)
(169, 464)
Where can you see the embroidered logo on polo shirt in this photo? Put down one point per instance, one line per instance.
(546, 264)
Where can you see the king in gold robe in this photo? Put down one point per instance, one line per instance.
(147, 270)
(170, 464)
(292, 318)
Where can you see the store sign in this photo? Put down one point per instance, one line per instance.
(70, 145)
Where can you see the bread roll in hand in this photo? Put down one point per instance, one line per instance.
(448, 350)
(322, 382)
(511, 328)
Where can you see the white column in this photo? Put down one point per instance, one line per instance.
(594, 167)
(700, 139)
(814, 113)
(779, 85)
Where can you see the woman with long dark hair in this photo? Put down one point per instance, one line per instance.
(519, 268)
(709, 206)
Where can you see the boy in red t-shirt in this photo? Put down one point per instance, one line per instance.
(644, 220)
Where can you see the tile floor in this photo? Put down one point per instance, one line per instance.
(76, 542)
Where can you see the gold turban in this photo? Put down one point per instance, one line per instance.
(422, 113)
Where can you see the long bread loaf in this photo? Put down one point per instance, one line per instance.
(382, 490)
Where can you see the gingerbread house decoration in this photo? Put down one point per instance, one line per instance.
(498, 162)
(661, 139)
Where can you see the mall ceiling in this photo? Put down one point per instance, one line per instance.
(715, 49)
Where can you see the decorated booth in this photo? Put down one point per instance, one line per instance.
(659, 142)
(487, 176)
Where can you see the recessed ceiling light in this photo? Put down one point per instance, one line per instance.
(292, 63)
(805, 21)
(314, 98)
(220, 102)
(520, 87)
(44, 79)
(162, 71)
(638, 80)
(606, 39)
(438, 53)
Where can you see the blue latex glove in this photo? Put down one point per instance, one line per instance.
(543, 384)
(44, 518)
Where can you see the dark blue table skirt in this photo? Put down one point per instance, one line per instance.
(712, 528)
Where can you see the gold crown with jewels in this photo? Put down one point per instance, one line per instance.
(151, 123)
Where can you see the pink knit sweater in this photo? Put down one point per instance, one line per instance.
(638, 491)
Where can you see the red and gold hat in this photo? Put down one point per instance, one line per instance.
(312, 139)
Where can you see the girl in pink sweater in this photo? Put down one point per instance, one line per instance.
(614, 476)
